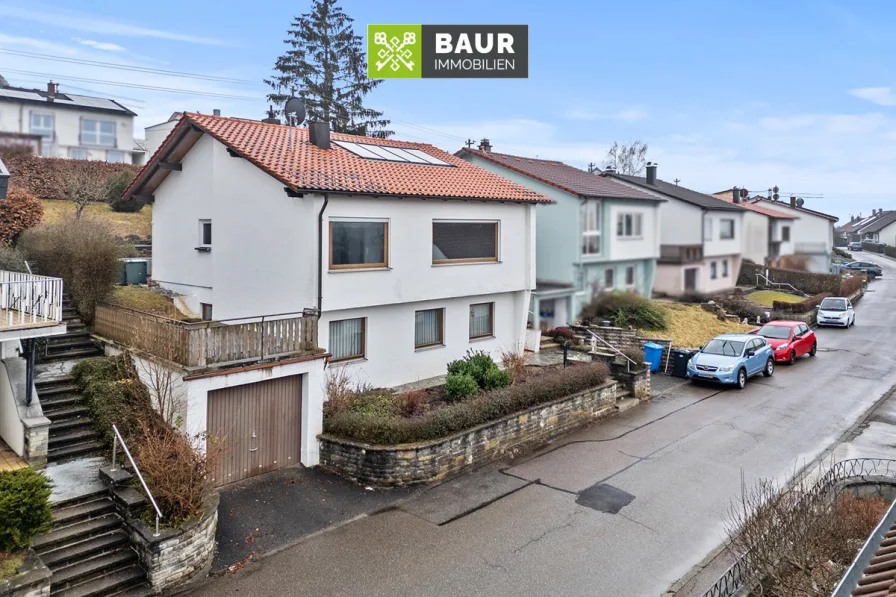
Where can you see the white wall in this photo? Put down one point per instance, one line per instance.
(11, 428)
(808, 229)
(785, 247)
(647, 246)
(755, 236)
(156, 134)
(681, 223)
(888, 235)
(670, 276)
(16, 118)
(719, 246)
(391, 358)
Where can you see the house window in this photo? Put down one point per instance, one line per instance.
(785, 233)
(707, 229)
(726, 229)
(713, 270)
(724, 268)
(591, 228)
(609, 278)
(356, 244)
(42, 124)
(429, 327)
(348, 339)
(482, 320)
(98, 132)
(206, 309)
(115, 157)
(464, 242)
(630, 276)
(205, 233)
(628, 225)
(77, 153)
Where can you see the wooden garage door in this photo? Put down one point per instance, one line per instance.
(259, 427)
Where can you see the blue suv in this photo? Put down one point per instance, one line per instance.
(731, 359)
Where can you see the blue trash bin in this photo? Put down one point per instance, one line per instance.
(653, 354)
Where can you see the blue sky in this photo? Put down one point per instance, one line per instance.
(754, 93)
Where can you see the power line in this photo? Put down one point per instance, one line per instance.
(98, 93)
(136, 85)
(428, 129)
(141, 69)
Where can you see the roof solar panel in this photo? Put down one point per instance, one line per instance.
(388, 153)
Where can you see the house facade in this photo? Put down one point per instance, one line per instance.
(600, 235)
(410, 256)
(701, 237)
(768, 233)
(65, 125)
(879, 227)
(813, 232)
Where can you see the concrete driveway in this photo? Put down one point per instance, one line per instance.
(624, 508)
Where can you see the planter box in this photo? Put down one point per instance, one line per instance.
(32, 580)
(424, 462)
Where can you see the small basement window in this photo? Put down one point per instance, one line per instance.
(205, 235)
(206, 309)
(429, 327)
(348, 339)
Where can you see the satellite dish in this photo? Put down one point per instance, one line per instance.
(744, 193)
(295, 111)
(799, 202)
(775, 189)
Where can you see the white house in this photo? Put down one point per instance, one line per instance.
(879, 227)
(65, 125)
(700, 237)
(813, 232)
(411, 256)
(600, 235)
(767, 232)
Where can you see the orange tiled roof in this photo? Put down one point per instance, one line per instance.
(309, 168)
(760, 209)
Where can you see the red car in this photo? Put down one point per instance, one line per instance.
(789, 339)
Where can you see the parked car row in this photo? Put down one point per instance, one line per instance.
(733, 358)
(872, 270)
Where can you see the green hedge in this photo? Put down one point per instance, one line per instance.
(24, 507)
(482, 408)
(805, 306)
(806, 282)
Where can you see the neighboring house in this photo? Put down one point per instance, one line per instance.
(600, 235)
(701, 237)
(156, 134)
(767, 232)
(813, 232)
(68, 125)
(879, 227)
(411, 255)
(849, 232)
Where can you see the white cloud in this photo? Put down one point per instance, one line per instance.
(96, 24)
(36, 44)
(100, 45)
(882, 96)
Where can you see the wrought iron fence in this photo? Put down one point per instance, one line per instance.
(741, 574)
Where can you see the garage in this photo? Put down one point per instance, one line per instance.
(258, 425)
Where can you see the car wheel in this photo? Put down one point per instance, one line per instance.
(769, 368)
(853, 321)
(814, 349)
(792, 359)
(741, 379)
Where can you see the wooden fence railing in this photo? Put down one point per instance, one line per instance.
(208, 343)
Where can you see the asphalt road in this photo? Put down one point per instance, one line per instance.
(668, 469)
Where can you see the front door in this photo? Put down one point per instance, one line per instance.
(258, 427)
(690, 279)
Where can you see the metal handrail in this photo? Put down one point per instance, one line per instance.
(152, 500)
(629, 362)
(778, 284)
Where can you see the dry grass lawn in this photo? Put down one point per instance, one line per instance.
(122, 224)
(691, 327)
(141, 298)
(10, 564)
(767, 297)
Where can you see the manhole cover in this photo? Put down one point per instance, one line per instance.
(604, 498)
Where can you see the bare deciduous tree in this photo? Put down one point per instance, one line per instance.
(166, 390)
(84, 188)
(627, 158)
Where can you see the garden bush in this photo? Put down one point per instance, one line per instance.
(18, 212)
(24, 507)
(453, 418)
(12, 259)
(851, 285)
(626, 309)
(116, 185)
(478, 365)
(562, 334)
(83, 252)
(460, 385)
(804, 306)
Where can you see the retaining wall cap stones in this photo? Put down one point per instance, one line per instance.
(209, 508)
(32, 573)
(453, 436)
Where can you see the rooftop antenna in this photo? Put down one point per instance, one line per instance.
(294, 110)
(677, 180)
(469, 143)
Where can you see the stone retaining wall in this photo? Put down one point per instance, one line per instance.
(430, 461)
(637, 382)
(178, 557)
(32, 580)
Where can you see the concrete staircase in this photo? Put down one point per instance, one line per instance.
(88, 550)
(72, 434)
(75, 343)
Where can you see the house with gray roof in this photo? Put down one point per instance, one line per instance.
(65, 125)
(600, 234)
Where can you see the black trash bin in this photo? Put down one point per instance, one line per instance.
(680, 358)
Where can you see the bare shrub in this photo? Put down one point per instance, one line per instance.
(84, 187)
(411, 403)
(514, 362)
(83, 252)
(166, 391)
(341, 388)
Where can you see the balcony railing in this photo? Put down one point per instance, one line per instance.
(29, 301)
(680, 253)
(202, 344)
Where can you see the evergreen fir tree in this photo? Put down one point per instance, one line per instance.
(326, 66)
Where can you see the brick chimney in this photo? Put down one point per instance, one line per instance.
(485, 145)
(52, 90)
(793, 201)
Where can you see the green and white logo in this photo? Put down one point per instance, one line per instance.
(394, 51)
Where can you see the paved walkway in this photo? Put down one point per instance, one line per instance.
(9, 460)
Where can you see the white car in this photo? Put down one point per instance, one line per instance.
(836, 311)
